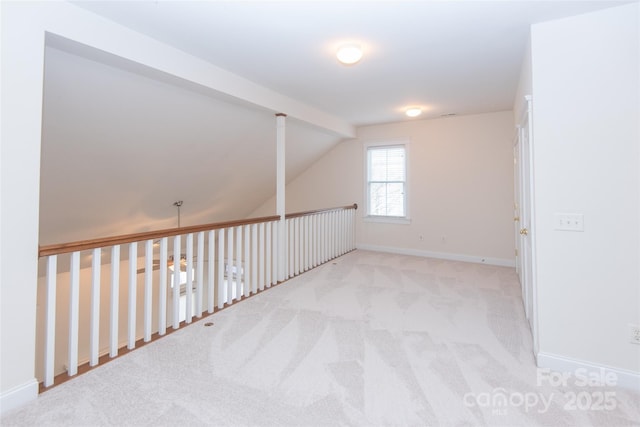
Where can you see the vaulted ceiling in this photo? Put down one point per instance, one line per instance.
(119, 147)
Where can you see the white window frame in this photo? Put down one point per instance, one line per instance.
(382, 144)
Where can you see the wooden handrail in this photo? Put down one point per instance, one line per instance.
(317, 211)
(83, 245)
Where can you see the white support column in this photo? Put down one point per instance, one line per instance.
(94, 335)
(280, 195)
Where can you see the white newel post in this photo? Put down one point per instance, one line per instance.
(280, 194)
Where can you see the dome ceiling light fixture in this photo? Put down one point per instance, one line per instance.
(349, 53)
(413, 111)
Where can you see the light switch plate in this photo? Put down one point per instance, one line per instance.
(569, 222)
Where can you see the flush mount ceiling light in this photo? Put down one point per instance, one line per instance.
(349, 53)
(413, 111)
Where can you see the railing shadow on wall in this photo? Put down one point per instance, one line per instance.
(99, 299)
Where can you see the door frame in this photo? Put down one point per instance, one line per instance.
(526, 243)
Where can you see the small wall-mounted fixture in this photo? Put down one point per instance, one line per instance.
(349, 53)
(413, 111)
(178, 204)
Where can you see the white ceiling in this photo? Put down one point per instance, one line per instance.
(119, 147)
(448, 56)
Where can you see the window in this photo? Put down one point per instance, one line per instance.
(387, 181)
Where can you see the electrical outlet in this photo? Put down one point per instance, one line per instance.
(634, 334)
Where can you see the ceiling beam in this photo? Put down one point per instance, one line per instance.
(83, 33)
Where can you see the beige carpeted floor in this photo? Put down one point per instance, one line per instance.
(368, 339)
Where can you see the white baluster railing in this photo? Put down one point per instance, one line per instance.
(231, 261)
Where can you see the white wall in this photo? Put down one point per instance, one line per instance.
(22, 66)
(524, 85)
(586, 99)
(461, 187)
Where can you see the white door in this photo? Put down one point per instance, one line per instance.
(516, 205)
(525, 236)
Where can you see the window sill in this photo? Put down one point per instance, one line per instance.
(388, 219)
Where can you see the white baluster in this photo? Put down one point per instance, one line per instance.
(347, 228)
(297, 240)
(269, 256)
(353, 229)
(211, 239)
(292, 248)
(314, 232)
(340, 232)
(74, 312)
(254, 258)
(333, 234)
(189, 285)
(199, 274)
(328, 234)
(239, 268)
(230, 264)
(336, 225)
(148, 289)
(323, 230)
(50, 336)
(94, 334)
(345, 239)
(247, 261)
(133, 289)
(222, 289)
(274, 252)
(261, 249)
(115, 300)
(176, 282)
(305, 226)
(162, 288)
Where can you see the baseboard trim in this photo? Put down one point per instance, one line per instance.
(625, 378)
(439, 255)
(18, 396)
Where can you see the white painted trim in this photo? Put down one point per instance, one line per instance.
(18, 396)
(387, 219)
(625, 378)
(439, 255)
(405, 142)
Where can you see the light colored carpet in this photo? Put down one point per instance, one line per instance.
(367, 339)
